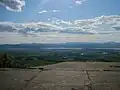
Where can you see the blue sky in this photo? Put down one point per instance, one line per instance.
(60, 12)
(89, 9)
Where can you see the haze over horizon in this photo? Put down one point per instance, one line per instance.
(59, 21)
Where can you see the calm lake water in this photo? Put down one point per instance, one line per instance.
(83, 48)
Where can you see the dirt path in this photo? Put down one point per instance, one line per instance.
(30, 80)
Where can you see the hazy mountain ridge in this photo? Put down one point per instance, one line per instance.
(62, 45)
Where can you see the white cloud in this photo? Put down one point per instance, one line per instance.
(46, 11)
(43, 11)
(99, 28)
(56, 11)
(13, 5)
(79, 1)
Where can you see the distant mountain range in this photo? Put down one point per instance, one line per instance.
(61, 45)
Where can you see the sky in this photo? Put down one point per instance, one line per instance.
(59, 21)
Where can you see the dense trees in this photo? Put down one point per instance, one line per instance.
(5, 61)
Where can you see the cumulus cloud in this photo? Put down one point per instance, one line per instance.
(13, 5)
(104, 25)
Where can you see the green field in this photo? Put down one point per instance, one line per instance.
(26, 59)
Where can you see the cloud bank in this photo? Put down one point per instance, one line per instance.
(103, 28)
(98, 25)
(13, 5)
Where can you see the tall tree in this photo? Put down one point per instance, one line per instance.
(5, 61)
